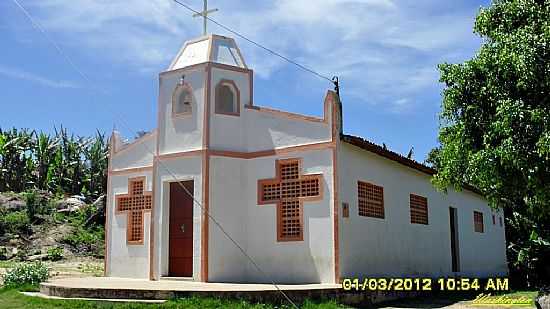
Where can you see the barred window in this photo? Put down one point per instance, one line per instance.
(370, 200)
(419, 209)
(478, 221)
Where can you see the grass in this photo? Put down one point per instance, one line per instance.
(8, 264)
(88, 268)
(13, 299)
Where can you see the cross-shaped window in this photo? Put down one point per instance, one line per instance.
(288, 191)
(135, 204)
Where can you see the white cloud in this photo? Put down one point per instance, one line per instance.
(385, 49)
(22, 75)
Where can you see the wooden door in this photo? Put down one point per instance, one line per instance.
(181, 230)
(455, 257)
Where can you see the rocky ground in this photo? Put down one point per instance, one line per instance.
(44, 238)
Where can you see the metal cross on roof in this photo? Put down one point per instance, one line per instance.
(204, 15)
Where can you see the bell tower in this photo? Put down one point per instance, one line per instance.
(202, 96)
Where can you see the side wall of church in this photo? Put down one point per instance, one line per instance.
(125, 260)
(234, 204)
(393, 246)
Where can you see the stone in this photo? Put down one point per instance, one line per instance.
(70, 204)
(37, 257)
(12, 202)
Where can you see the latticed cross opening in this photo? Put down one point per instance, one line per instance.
(478, 221)
(291, 227)
(419, 209)
(289, 170)
(135, 203)
(370, 200)
(288, 191)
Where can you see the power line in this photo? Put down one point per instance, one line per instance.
(257, 44)
(206, 212)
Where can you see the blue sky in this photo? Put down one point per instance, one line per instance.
(384, 51)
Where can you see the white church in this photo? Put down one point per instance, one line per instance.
(306, 202)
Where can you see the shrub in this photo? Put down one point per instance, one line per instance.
(15, 222)
(37, 204)
(87, 240)
(55, 254)
(25, 274)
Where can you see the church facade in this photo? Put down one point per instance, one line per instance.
(220, 177)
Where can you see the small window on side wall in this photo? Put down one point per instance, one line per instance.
(227, 98)
(182, 100)
(419, 209)
(370, 200)
(478, 221)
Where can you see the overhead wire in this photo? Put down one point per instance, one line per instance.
(255, 43)
(37, 26)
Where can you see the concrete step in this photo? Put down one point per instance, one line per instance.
(135, 289)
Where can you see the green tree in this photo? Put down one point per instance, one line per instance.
(495, 126)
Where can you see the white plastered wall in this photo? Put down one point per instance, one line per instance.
(129, 261)
(395, 247)
(234, 203)
(138, 154)
(181, 133)
(256, 130)
(177, 169)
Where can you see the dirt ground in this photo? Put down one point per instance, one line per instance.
(71, 267)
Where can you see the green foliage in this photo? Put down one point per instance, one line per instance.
(89, 268)
(61, 163)
(16, 222)
(12, 299)
(36, 204)
(26, 274)
(495, 126)
(86, 238)
(55, 254)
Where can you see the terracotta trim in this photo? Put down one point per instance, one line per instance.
(230, 67)
(271, 152)
(151, 223)
(209, 50)
(108, 207)
(181, 154)
(136, 142)
(130, 170)
(206, 178)
(152, 257)
(289, 115)
(206, 110)
(247, 155)
(334, 109)
(236, 92)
